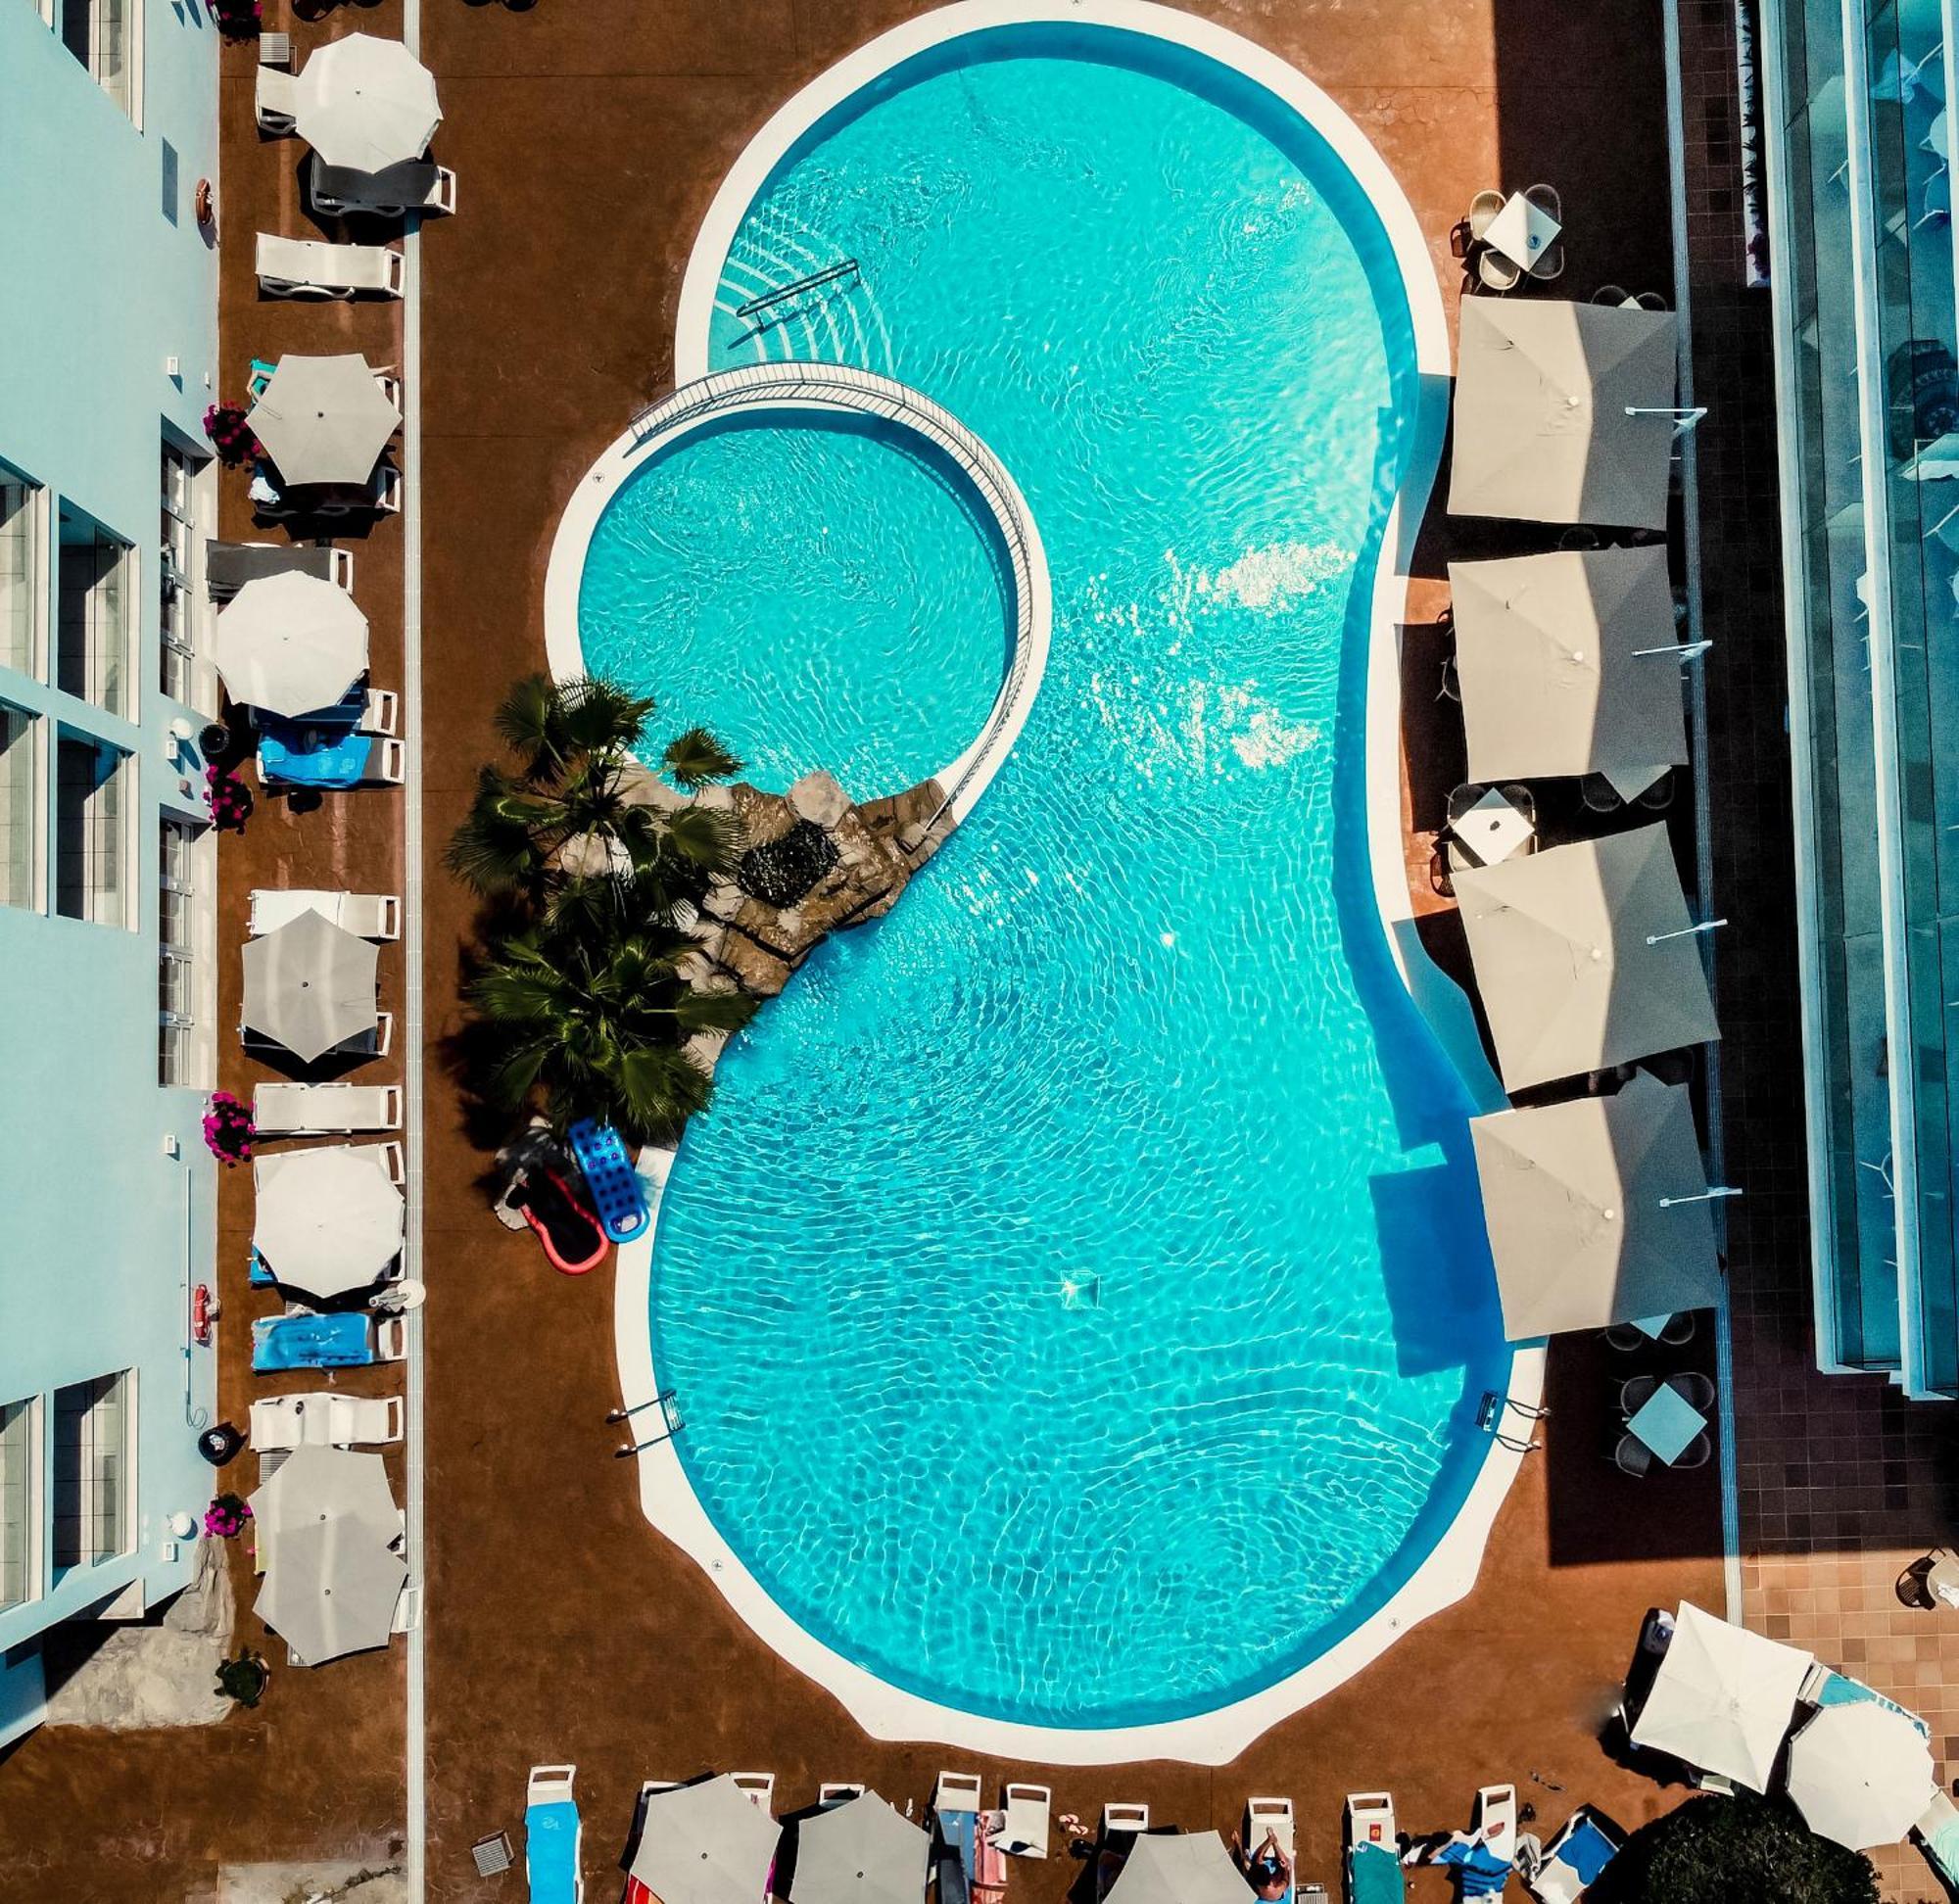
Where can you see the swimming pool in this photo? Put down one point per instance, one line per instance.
(1077, 1297)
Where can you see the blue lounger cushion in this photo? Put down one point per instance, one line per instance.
(550, 1852)
(339, 1341)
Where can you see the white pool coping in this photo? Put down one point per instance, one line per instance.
(1448, 1571)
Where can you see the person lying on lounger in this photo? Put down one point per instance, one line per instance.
(1267, 1870)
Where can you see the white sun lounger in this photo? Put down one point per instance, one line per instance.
(759, 1785)
(1021, 1832)
(276, 100)
(366, 915)
(1274, 1815)
(310, 267)
(326, 1110)
(1495, 1819)
(326, 1419)
(957, 1792)
(553, 1837)
(418, 186)
(381, 712)
(1124, 1818)
(1373, 1851)
(837, 1793)
(228, 567)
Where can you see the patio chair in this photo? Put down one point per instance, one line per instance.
(1496, 272)
(1652, 301)
(1697, 1390)
(1600, 794)
(1623, 1337)
(1635, 1394)
(760, 1788)
(228, 567)
(1119, 1816)
(326, 1110)
(1613, 295)
(551, 1837)
(1546, 200)
(276, 101)
(1696, 1453)
(1937, 1834)
(1633, 1457)
(1549, 264)
(306, 267)
(1483, 209)
(1559, 1872)
(1373, 1851)
(1659, 795)
(1023, 1829)
(1679, 1329)
(327, 1420)
(1273, 1818)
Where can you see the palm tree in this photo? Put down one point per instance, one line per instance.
(575, 807)
(579, 1024)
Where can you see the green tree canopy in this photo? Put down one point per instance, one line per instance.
(1738, 1850)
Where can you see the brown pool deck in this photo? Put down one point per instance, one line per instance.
(589, 136)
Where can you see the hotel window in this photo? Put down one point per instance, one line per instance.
(20, 1502)
(101, 34)
(92, 802)
(176, 572)
(94, 1470)
(92, 613)
(182, 1054)
(19, 571)
(20, 809)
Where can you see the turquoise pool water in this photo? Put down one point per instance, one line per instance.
(815, 589)
(1135, 1033)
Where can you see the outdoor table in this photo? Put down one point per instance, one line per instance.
(1668, 1423)
(1493, 828)
(1521, 231)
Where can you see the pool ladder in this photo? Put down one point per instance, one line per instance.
(815, 281)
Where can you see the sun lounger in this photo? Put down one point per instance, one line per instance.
(381, 712)
(989, 1864)
(956, 1792)
(307, 267)
(1373, 1854)
(326, 1110)
(837, 1793)
(1496, 1822)
(759, 1785)
(1023, 1825)
(326, 1419)
(366, 915)
(1559, 1872)
(1124, 1818)
(551, 1835)
(346, 1339)
(417, 185)
(228, 567)
(1937, 1834)
(276, 100)
(1273, 1816)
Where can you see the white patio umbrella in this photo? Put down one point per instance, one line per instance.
(860, 1852)
(1723, 1697)
(324, 420)
(1586, 957)
(1861, 1774)
(328, 1220)
(1597, 1210)
(325, 1520)
(1542, 391)
(1569, 664)
(289, 643)
(1180, 1867)
(707, 1843)
(334, 1588)
(365, 103)
(311, 984)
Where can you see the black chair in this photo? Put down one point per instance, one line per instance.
(1623, 1337)
(1696, 1390)
(1697, 1453)
(1600, 794)
(1679, 1329)
(1635, 1394)
(1633, 1456)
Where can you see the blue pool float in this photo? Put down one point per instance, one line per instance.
(617, 1194)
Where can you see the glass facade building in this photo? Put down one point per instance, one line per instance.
(1859, 176)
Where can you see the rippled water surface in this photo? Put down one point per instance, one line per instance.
(815, 589)
(1076, 1297)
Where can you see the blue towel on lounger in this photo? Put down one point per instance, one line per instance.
(550, 1851)
(339, 1341)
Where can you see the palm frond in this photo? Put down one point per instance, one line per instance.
(696, 758)
(729, 1011)
(706, 836)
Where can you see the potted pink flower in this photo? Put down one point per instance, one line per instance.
(228, 1129)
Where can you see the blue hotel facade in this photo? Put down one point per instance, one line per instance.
(109, 316)
(1858, 166)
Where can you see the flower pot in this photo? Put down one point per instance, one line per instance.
(220, 1444)
(212, 740)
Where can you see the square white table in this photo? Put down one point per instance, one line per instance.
(1521, 230)
(1668, 1423)
(1493, 828)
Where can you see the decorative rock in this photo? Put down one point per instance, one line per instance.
(818, 797)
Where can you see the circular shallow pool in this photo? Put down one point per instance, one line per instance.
(1077, 1295)
(817, 589)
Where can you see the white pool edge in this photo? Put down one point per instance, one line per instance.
(667, 1498)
